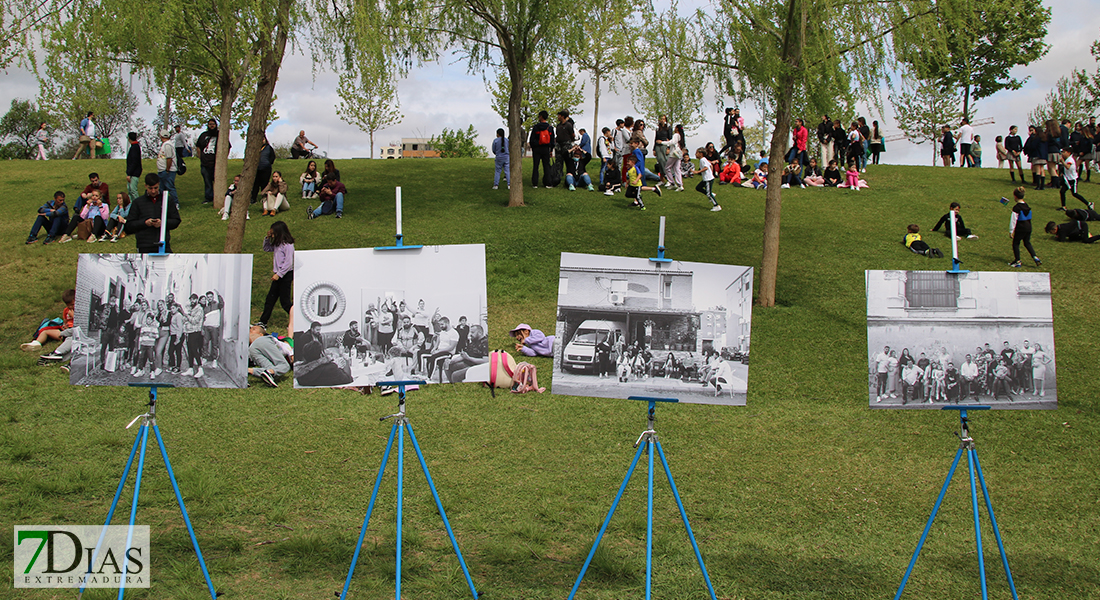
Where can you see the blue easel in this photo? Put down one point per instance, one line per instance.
(149, 420)
(648, 442)
(401, 424)
(966, 443)
(400, 245)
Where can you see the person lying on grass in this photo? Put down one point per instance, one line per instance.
(54, 329)
(913, 242)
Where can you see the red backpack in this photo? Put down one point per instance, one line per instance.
(544, 137)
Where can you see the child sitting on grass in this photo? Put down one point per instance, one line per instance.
(51, 329)
(913, 242)
(634, 187)
(731, 173)
(851, 178)
(759, 177)
(831, 177)
(612, 179)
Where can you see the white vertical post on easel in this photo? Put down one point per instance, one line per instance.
(163, 220)
(399, 212)
(954, 238)
(661, 235)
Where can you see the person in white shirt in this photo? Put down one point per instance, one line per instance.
(445, 343)
(1069, 179)
(969, 373)
(882, 370)
(966, 138)
(704, 186)
(166, 166)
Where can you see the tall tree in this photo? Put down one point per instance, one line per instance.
(550, 87)
(368, 98)
(275, 26)
(922, 108)
(972, 45)
(667, 85)
(595, 45)
(1070, 99)
(786, 50)
(504, 34)
(72, 83)
(19, 127)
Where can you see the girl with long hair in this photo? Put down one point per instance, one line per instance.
(279, 242)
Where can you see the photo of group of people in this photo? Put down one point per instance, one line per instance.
(633, 327)
(938, 338)
(410, 314)
(180, 319)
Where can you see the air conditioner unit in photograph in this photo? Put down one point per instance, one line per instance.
(617, 297)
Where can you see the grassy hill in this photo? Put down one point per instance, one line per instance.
(805, 493)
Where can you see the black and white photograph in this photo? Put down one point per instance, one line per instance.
(978, 338)
(179, 319)
(634, 327)
(388, 315)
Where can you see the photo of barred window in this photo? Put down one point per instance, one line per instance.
(978, 338)
(366, 316)
(632, 327)
(179, 319)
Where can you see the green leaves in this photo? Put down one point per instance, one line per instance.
(458, 144)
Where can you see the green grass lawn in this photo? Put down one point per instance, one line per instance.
(805, 493)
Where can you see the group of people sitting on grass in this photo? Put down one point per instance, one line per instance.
(91, 219)
(934, 376)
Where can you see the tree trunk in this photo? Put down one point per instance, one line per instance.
(515, 136)
(371, 144)
(596, 100)
(168, 98)
(966, 101)
(271, 59)
(792, 59)
(221, 159)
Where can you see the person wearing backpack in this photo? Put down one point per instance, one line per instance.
(542, 142)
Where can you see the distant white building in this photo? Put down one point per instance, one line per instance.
(418, 148)
(391, 151)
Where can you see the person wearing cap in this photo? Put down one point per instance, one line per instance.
(532, 342)
(166, 165)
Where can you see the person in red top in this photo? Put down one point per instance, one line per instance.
(93, 184)
(50, 330)
(798, 151)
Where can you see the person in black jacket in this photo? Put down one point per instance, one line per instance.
(144, 220)
(1074, 231)
(133, 165)
(263, 170)
(825, 138)
(542, 142)
(1015, 148)
(564, 136)
(947, 147)
(840, 141)
(960, 228)
(207, 145)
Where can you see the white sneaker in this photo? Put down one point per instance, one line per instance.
(92, 239)
(186, 373)
(855, 187)
(494, 187)
(863, 171)
(803, 186)
(608, 193)
(716, 208)
(157, 372)
(225, 216)
(785, 186)
(214, 364)
(30, 346)
(199, 373)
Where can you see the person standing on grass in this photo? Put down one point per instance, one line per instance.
(166, 166)
(704, 186)
(1019, 229)
(133, 165)
(86, 135)
(42, 138)
(280, 243)
(966, 139)
(501, 159)
(1069, 179)
(542, 143)
(1013, 149)
(947, 147)
(144, 220)
(207, 145)
(1036, 149)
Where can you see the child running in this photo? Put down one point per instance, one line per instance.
(634, 187)
(1019, 228)
(1069, 179)
(704, 186)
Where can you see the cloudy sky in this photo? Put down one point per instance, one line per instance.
(443, 94)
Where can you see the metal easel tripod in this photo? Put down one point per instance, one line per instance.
(648, 442)
(966, 443)
(401, 424)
